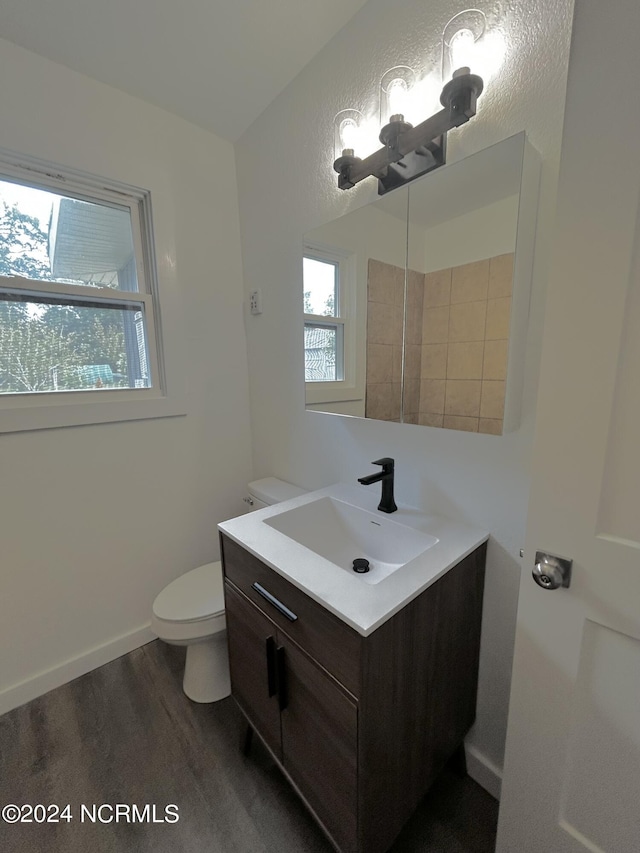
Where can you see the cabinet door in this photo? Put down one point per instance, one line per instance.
(252, 650)
(319, 742)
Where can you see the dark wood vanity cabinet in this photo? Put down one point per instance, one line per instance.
(361, 725)
(298, 709)
(250, 634)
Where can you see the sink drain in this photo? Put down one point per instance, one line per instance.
(360, 565)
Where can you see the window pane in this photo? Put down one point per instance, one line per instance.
(50, 237)
(320, 283)
(75, 346)
(323, 353)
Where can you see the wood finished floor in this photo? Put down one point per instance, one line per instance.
(126, 733)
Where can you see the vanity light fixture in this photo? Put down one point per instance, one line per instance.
(408, 152)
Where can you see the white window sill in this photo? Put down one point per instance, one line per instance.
(49, 411)
(331, 392)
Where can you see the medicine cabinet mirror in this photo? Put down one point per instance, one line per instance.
(416, 305)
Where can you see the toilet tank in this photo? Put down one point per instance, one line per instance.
(270, 490)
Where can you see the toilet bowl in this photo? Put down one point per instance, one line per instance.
(190, 611)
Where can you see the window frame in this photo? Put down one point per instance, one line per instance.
(52, 409)
(347, 388)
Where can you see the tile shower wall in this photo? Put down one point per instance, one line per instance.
(457, 331)
(465, 332)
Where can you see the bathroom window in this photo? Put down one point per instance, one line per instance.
(79, 314)
(328, 309)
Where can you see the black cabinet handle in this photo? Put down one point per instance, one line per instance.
(291, 616)
(272, 675)
(283, 699)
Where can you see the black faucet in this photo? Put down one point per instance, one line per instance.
(387, 503)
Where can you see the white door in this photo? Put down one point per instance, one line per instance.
(572, 768)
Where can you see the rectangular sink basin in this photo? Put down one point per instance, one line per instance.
(342, 533)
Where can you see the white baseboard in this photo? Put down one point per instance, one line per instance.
(483, 771)
(17, 694)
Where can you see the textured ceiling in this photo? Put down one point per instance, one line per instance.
(216, 64)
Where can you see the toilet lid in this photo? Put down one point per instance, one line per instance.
(196, 595)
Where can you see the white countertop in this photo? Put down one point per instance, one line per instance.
(362, 606)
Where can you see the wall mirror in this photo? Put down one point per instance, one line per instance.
(416, 305)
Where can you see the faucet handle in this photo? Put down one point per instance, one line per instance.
(387, 463)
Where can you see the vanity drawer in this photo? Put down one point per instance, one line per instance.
(334, 645)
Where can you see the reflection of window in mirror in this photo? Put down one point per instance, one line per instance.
(328, 341)
(323, 339)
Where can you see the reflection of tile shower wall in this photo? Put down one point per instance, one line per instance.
(413, 347)
(465, 337)
(384, 341)
(457, 341)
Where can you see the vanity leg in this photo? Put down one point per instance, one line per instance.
(247, 740)
(458, 762)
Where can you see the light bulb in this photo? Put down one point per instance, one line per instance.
(460, 42)
(461, 48)
(349, 134)
(396, 93)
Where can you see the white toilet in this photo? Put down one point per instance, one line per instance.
(190, 611)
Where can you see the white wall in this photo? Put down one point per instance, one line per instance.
(95, 520)
(486, 233)
(287, 187)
